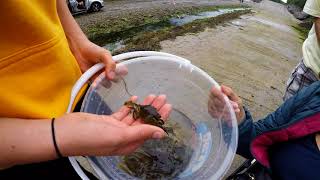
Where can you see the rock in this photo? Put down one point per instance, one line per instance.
(297, 12)
(293, 8)
(307, 23)
(301, 15)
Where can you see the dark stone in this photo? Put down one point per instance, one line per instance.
(297, 12)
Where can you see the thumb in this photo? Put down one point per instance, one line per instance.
(143, 132)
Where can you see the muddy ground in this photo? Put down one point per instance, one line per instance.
(253, 54)
(125, 8)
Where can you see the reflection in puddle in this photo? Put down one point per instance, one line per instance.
(114, 45)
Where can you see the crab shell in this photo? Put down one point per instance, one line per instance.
(150, 110)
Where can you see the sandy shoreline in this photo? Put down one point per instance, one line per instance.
(254, 55)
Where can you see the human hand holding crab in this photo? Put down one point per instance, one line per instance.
(116, 134)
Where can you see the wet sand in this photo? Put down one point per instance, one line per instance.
(254, 55)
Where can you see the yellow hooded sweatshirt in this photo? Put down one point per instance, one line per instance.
(37, 68)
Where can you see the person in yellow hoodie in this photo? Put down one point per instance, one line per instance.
(42, 53)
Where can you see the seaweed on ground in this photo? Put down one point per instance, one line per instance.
(129, 24)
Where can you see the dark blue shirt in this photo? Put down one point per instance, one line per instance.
(296, 159)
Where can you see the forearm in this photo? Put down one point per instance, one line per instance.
(72, 30)
(25, 141)
(317, 28)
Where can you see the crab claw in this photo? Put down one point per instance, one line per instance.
(128, 103)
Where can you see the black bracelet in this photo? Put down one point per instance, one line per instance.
(54, 140)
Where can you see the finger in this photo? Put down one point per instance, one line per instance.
(165, 111)
(216, 104)
(124, 110)
(121, 70)
(216, 111)
(110, 65)
(216, 94)
(159, 101)
(216, 99)
(234, 104)
(149, 99)
(229, 92)
(142, 132)
(216, 108)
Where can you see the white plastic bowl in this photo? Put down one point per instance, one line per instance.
(187, 88)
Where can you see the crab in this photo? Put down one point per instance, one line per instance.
(147, 113)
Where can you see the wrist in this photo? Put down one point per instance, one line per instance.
(59, 155)
(74, 133)
(65, 131)
(75, 42)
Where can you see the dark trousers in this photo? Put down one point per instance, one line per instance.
(55, 170)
